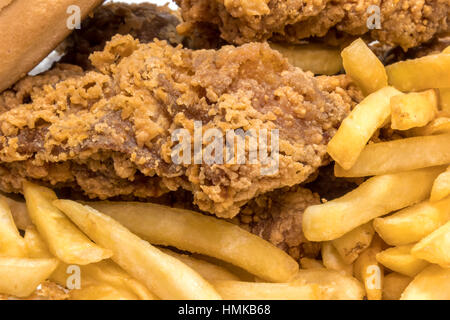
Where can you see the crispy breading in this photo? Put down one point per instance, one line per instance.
(108, 132)
(406, 23)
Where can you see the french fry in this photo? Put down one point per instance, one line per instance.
(164, 275)
(319, 59)
(110, 281)
(351, 244)
(399, 155)
(19, 277)
(400, 259)
(63, 238)
(394, 284)
(11, 243)
(435, 248)
(420, 74)
(35, 245)
(414, 223)
(337, 285)
(357, 129)
(373, 198)
(439, 125)
(369, 272)
(441, 186)
(333, 261)
(363, 66)
(237, 290)
(209, 271)
(19, 212)
(197, 233)
(308, 263)
(433, 283)
(444, 98)
(415, 109)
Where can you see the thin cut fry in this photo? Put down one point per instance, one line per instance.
(364, 67)
(194, 232)
(433, 283)
(394, 284)
(439, 125)
(400, 155)
(11, 243)
(415, 109)
(356, 130)
(161, 273)
(369, 271)
(308, 263)
(435, 248)
(19, 212)
(63, 238)
(319, 59)
(444, 99)
(373, 198)
(420, 74)
(414, 223)
(441, 186)
(351, 244)
(333, 261)
(237, 290)
(400, 259)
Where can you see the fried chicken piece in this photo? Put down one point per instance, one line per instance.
(405, 23)
(143, 21)
(108, 132)
(277, 217)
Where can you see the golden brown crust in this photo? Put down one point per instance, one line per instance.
(40, 25)
(108, 131)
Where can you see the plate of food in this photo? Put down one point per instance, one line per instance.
(235, 150)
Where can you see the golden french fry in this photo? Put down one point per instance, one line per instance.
(399, 155)
(194, 232)
(237, 290)
(357, 129)
(444, 98)
(420, 74)
(207, 270)
(333, 261)
(400, 259)
(369, 271)
(337, 285)
(19, 212)
(317, 58)
(373, 198)
(446, 50)
(308, 263)
(35, 245)
(441, 186)
(110, 280)
(164, 275)
(433, 283)
(63, 238)
(11, 243)
(435, 248)
(415, 109)
(19, 277)
(394, 284)
(414, 223)
(351, 244)
(440, 125)
(364, 67)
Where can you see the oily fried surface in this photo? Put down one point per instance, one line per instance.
(107, 132)
(143, 21)
(277, 217)
(46, 291)
(406, 23)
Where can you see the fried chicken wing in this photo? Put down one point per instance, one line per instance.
(108, 132)
(405, 23)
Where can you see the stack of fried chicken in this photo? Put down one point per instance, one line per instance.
(100, 122)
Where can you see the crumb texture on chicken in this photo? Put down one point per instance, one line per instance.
(108, 132)
(406, 23)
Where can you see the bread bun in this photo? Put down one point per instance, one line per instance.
(30, 30)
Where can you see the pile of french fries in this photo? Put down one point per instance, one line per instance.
(397, 222)
(387, 239)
